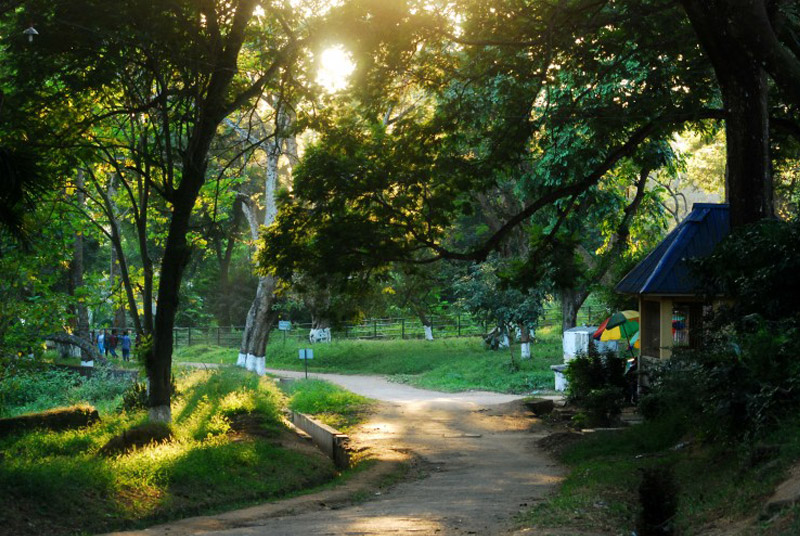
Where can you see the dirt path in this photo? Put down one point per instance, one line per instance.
(477, 452)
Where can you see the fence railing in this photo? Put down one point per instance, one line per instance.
(457, 325)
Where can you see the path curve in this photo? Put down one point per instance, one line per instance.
(478, 453)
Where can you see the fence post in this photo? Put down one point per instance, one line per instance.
(374, 329)
(175, 332)
(402, 328)
(218, 338)
(459, 324)
(189, 336)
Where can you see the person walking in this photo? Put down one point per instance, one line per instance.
(112, 343)
(125, 343)
(101, 341)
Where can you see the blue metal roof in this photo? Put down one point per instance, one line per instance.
(665, 270)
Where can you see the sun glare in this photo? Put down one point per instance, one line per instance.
(335, 67)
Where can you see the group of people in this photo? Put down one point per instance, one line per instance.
(107, 343)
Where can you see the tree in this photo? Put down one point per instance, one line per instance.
(554, 97)
(175, 67)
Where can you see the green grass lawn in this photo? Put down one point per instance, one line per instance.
(717, 484)
(58, 483)
(456, 364)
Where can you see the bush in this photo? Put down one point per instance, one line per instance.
(597, 384)
(135, 397)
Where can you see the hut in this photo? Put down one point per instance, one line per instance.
(671, 309)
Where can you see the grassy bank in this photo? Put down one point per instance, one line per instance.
(328, 403)
(456, 364)
(60, 483)
(719, 486)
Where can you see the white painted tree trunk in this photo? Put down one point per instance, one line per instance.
(316, 335)
(525, 340)
(260, 317)
(160, 414)
(504, 342)
(428, 332)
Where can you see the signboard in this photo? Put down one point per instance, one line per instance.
(284, 325)
(306, 353)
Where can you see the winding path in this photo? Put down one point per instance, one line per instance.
(476, 449)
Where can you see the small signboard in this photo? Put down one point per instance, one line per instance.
(306, 353)
(284, 325)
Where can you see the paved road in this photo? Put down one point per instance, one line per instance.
(477, 450)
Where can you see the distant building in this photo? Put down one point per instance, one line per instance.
(670, 305)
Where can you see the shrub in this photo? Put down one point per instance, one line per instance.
(135, 397)
(597, 384)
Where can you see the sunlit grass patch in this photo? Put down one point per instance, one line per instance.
(327, 402)
(59, 483)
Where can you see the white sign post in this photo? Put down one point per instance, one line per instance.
(305, 355)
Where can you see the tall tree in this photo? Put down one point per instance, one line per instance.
(177, 67)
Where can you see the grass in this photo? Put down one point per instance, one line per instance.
(717, 484)
(57, 483)
(456, 364)
(41, 389)
(327, 402)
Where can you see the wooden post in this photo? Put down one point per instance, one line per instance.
(189, 336)
(402, 328)
(459, 324)
(374, 329)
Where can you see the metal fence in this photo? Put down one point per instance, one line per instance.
(456, 325)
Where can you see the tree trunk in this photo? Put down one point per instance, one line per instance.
(571, 301)
(260, 318)
(177, 252)
(320, 328)
(749, 171)
(743, 84)
(76, 275)
(421, 311)
(525, 341)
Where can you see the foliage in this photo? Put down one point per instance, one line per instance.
(135, 397)
(488, 292)
(597, 383)
(755, 268)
